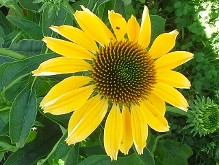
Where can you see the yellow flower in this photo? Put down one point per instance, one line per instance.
(123, 78)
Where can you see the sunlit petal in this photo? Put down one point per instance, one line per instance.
(163, 44)
(133, 29)
(113, 132)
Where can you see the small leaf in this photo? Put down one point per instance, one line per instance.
(29, 27)
(5, 24)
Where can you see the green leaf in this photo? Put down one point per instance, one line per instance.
(157, 25)
(60, 150)
(47, 136)
(29, 5)
(73, 155)
(22, 115)
(50, 18)
(5, 24)
(29, 27)
(13, 72)
(147, 157)
(105, 160)
(27, 47)
(169, 151)
(11, 54)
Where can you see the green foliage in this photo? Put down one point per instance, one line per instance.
(29, 136)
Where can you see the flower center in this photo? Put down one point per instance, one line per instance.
(124, 72)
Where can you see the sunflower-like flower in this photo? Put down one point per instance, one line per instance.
(124, 79)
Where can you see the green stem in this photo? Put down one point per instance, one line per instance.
(156, 141)
(9, 53)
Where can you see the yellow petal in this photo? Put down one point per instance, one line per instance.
(61, 65)
(163, 44)
(145, 31)
(139, 129)
(67, 49)
(76, 35)
(170, 95)
(158, 103)
(68, 102)
(86, 119)
(64, 87)
(153, 117)
(173, 59)
(93, 26)
(127, 139)
(173, 78)
(133, 29)
(118, 24)
(113, 132)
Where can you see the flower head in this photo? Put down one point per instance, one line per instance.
(125, 79)
(203, 117)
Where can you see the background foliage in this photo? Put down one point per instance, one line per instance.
(28, 136)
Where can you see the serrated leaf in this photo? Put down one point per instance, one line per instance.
(22, 115)
(29, 27)
(47, 136)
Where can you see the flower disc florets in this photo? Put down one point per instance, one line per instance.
(124, 72)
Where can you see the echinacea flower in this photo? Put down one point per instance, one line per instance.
(124, 79)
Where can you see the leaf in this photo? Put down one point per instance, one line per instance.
(29, 5)
(28, 47)
(47, 136)
(157, 25)
(147, 157)
(73, 155)
(169, 151)
(5, 24)
(50, 18)
(13, 72)
(11, 54)
(105, 160)
(60, 150)
(22, 115)
(29, 27)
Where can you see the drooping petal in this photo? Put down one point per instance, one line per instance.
(127, 139)
(118, 24)
(68, 102)
(145, 31)
(76, 35)
(139, 129)
(67, 49)
(86, 119)
(163, 44)
(64, 87)
(170, 95)
(158, 103)
(173, 59)
(61, 65)
(133, 29)
(113, 132)
(93, 26)
(173, 78)
(153, 117)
